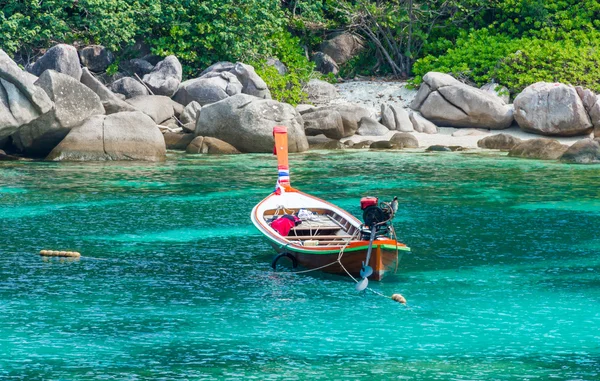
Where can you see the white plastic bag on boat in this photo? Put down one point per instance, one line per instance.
(307, 215)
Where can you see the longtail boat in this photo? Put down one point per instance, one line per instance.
(322, 236)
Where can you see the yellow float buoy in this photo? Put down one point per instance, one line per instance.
(398, 298)
(54, 253)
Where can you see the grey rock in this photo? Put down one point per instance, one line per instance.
(210, 88)
(404, 140)
(421, 124)
(247, 122)
(542, 148)
(323, 142)
(177, 141)
(157, 107)
(387, 117)
(320, 92)
(120, 136)
(280, 66)
(73, 103)
(370, 127)
(591, 102)
(61, 58)
(252, 83)
(129, 87)
(351, 114)
(20, 100)
(325, 64)
(190, 113)
(402, 119)
(552, 109)
(96, 58)
(111, 103)
(342, 47)
(585, 151)
(328, 123)
(302, 108)
(497, 90)
(362, 144)
(448, 102)
(165, 78)
(381, 144)
(501, 141)
(141, 67)
(208, 145)
(438, 148)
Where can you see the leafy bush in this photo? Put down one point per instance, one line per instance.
(572, 57)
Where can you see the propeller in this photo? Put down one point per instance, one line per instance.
(366, 270)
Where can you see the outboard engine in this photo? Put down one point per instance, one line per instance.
(377, 215)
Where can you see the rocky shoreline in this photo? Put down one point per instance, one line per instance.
(64, 107)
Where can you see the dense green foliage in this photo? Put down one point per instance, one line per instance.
(512, 42)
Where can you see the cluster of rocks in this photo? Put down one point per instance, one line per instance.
(584, 151)
(58, 110)
(62, 107)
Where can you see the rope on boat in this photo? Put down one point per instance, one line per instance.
(395, 297)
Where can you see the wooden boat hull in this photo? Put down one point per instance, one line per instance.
(384, 260)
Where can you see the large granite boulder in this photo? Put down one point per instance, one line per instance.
(497, 90)
(247, 122)
(387, 117)
(61, 58)
(585, 151)
(210, 88)
(342, 47)
(129, 87)
(165, 78)
(328, 123)
(421, 124)
(111, 103)
(252, 83)
(20, 100)
(120, 136)
(73, 103)
(208, 145)
(447, 102)
(96, 58)
(542, 148)
(177, 141)
(320, 92)
(351, 115)
(324, 63)
(402, 119)
(591, 102)
(158, 107)
(404, 140)
(552, 109)
(370, 127)
(190, 113)
(500, 141)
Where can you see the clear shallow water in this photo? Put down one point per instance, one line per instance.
(503, 282)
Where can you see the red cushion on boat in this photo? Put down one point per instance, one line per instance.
(283, 225)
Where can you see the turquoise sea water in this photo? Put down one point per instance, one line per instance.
(503, 282)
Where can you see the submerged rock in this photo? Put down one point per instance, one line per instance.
(208, 145)
(586, 151)
(500, 141)
(542, 148)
